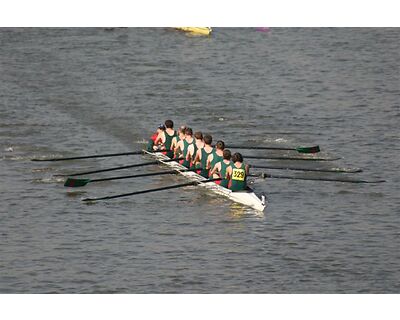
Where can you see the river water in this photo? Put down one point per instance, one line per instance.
(70, 92)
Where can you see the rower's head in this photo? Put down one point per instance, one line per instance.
(189, 132)
(227, 154)
(169, 124)
(207, 139)
(181, 131)
(237, 157)
(198, 135)
(220, 145)
(160, 128)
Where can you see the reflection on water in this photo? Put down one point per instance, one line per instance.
(72, 92)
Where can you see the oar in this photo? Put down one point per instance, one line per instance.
(175, 186)
(71, 182)
(97, 156)
(290, 158)
(267, 175)
(341, 170)
(117, 168)
(313, 149)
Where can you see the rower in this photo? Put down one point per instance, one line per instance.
(217, 155)
(219, 170)
(202, 156)
(188, 148)
(176, 139)
(166, 137)
(151, 145)
(237, 173)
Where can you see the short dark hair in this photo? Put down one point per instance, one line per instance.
(237, 157)
(227, 154)
(189, 131)
(198, 135)
(207, 139)
(169, 123)
(220, 145)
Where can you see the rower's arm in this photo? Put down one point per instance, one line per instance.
(209, 159)
(228, 173)
(177, 146)
(217, 168)
(190, 152)
(159, 138)
(173, 143)
(198, 156)
(247, 168)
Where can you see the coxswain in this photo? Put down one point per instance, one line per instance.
(202, 156)
(165, 138)
(176, 139)
(188, 147)
(216, 156)
(237, 173)
(151, 145)
(220, 169)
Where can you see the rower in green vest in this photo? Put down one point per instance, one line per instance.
(237, 173)
(176, 139)
(221, 168)
(188, 147)
(216, 156)
(202, 156)
(166, 137)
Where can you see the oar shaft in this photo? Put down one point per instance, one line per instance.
(290, 158)
(336, 170)
(192, 183)
(313, 149)
(92, 156)
(267, 175)
(258, 148)
(118, 168)
(142, 175)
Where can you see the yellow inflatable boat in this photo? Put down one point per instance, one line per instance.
(206, 31)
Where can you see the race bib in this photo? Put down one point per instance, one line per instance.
(238, 174)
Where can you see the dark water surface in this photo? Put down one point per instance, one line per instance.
(84, 91)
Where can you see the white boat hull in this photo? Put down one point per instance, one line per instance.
(247, 198)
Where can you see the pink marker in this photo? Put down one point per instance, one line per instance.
(262, 29)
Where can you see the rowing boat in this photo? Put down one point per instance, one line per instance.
(245, 197)
(206, 31)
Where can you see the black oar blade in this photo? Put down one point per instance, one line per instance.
(74, 183)
(314, 149)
